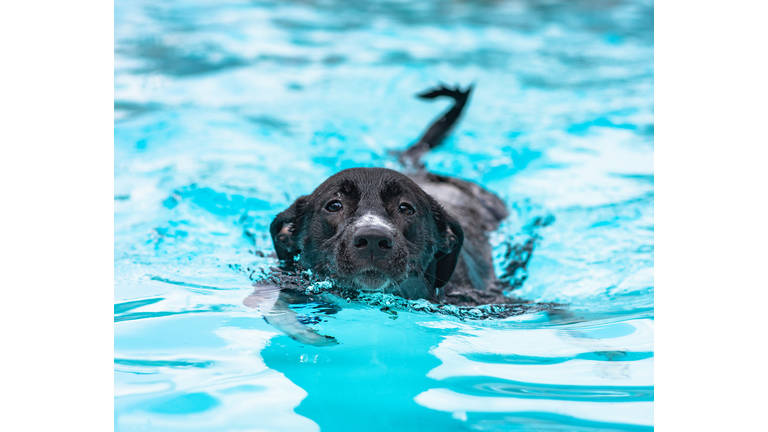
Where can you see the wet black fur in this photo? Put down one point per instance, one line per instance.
(440, 253)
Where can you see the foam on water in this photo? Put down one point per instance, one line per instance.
(227, 111)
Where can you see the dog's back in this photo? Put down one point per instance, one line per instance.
(477, 210)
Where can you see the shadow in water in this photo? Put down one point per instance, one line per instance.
(370, 380)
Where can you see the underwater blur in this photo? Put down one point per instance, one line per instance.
(227, 111)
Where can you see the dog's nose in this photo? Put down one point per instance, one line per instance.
(372, 239)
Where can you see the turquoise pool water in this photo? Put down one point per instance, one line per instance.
(226, 111)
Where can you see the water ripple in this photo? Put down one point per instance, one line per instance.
(490, 386)
(227, 110)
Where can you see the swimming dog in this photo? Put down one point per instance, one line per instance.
(414, 234)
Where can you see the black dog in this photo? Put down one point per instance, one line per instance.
(418, 236)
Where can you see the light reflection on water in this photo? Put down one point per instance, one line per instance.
(227, 111)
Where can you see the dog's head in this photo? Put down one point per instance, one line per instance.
(372, 229)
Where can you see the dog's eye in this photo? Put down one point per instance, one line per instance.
(406, 209)
(334, 206)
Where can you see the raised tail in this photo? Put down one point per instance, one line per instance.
(441, 127)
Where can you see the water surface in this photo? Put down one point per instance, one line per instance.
(227, 111)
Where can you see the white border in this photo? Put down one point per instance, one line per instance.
(56, 166)
(711, 237)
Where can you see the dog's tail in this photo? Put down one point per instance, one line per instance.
(441, 127)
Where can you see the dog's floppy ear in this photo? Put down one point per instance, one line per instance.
(285, 230)
(450, 239)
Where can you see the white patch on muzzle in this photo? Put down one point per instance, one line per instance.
(370, 219)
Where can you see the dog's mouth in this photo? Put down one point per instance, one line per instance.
(372, 280)
(352, 269)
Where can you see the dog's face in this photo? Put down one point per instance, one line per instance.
(372, 229)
